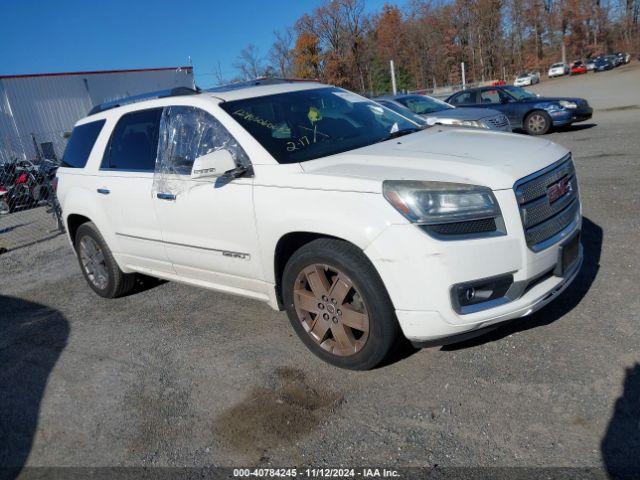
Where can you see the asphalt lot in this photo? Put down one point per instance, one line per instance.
(175, 375)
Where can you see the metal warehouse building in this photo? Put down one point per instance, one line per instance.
(36, 111)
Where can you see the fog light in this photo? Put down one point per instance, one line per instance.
(472, 296)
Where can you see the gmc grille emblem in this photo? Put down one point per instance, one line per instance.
(558, 189)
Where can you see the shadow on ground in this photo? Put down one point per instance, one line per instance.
(31, 340)
(567, 301)
(621, 444)
(576, 127)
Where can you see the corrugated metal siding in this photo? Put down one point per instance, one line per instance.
(104, 88)
(10, 147)
(46, 107)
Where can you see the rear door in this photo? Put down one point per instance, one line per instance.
(124, 189)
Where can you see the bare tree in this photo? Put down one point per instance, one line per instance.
(219, 76)
(249, 63)
(281, 53)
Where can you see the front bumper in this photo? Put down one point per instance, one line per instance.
(419, 272)
(568, 116)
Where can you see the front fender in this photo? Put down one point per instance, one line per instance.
(352, 216)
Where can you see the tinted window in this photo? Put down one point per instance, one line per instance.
(80, 144)
(404, 111)
(490, 96)
(422, 105)
(307, 124)
(464, 98)
(134, 142)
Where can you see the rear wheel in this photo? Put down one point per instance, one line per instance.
(537, 123)
(98, 266)
(338, 305)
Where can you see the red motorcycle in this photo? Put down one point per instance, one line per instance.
(16, 192)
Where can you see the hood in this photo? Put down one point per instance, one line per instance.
(473, 156)
(466, 113)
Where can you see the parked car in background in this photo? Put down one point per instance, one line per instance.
(558, 70)
(578, 68)
(615, 60)
(390, 230)
(527, 78)
(524, 109)
(402, 110)
(435, 111)
(624, 57)
(603, 63)
(591, 64)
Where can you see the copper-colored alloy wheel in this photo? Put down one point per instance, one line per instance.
(331, 310)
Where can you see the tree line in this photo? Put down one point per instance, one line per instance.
(342, 44)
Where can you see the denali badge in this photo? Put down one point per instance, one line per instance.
(558, 189)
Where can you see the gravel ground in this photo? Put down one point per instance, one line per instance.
(174, 375)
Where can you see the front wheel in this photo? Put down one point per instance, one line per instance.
(338, 305)
(537, 123)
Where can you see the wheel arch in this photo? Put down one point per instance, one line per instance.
(286, 246)
(74, 220)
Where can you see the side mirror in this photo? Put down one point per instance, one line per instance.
(504, 100)
(214, 164)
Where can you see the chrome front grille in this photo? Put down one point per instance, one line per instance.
(544, 220)
(497, 122)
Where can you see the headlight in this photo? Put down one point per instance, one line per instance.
(567, 104)
(434, 203)
(467, 123)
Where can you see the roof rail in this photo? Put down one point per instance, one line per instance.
(257, 82)
(172, 92)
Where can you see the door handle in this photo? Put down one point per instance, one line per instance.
(103, 191)
(166, 196)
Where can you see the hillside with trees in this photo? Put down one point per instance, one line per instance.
(341, 44)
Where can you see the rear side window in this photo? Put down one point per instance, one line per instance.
(465, 98)
(134, 142)
(80, 144)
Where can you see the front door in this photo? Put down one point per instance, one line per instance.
(501, 101)
(208, 225)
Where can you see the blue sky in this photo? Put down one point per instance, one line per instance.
(68, 35)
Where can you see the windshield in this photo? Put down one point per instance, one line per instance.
(421, 105)
(519, 93)
(307, 124)
(557, 65)
(404, 111)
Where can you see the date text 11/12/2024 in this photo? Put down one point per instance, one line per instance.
(315, 473)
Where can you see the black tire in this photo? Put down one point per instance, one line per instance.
(537, 122)
(383, 330)
(117, 283)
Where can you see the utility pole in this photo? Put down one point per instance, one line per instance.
(464, 81)
(393, 78)
(564, 53)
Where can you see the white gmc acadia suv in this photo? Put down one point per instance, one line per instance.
(361, 225)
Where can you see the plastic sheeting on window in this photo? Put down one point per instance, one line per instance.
(187, 133)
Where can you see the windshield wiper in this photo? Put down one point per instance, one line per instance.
(400, 133)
